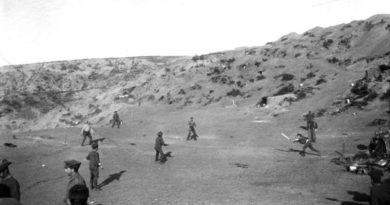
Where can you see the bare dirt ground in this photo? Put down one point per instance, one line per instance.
(235, 160)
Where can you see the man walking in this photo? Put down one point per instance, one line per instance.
(7, 179)
(158, 146)
(191, 132)
(94, 164)
(116, 120)
(72, 170)
(86, 131)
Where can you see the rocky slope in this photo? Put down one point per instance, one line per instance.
(321, 69)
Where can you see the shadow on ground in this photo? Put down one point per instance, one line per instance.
(357, 197)
(300, 152)
(111, 178)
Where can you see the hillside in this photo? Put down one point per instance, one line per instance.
(315, 69)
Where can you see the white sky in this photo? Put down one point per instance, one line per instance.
(47, 30)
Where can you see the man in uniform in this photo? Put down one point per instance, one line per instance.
(7, 179)
(158, 146)
(86, 131)
(72, 170)
(311, 126)
(307, 143)
(116, 120)
(191, 132)
(94, 164)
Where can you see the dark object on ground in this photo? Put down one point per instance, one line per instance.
(7, 144)
(165, 156)
(377, 122)
(132, 144)
(241, 165)
(362, 147)
(263, 102)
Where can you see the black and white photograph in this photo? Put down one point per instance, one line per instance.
(194, 102)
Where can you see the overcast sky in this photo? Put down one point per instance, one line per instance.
(47, 30)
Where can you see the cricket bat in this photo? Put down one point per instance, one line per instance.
(285, 136)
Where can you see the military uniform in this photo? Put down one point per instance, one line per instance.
(94, 164)
(191, 132)
(116, 120)
(158, 146)
(9, 180)
(74, 178)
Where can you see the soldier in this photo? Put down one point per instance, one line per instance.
(78, 195)
(94, 164)
(7, 179)
(307, 143)
(309, 117)
(115, 120)
(311, 126)
(158, 146)
(86, 131)
(191, 132)
(72, 169)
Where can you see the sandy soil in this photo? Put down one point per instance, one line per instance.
(235, 160)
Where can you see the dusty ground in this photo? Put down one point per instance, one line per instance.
(201, 172)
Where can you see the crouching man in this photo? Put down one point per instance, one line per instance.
(307, 143)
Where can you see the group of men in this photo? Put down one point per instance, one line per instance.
(77, 192)
(307, 142)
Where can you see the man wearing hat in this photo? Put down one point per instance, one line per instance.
(72, 169)
(158, 145)
(7, 179)
(94, 164)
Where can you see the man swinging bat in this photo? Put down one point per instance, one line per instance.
(307, 143)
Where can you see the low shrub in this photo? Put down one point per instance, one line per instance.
(234, 93)
(284, 90)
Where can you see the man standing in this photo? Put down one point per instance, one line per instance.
(191, 132)
(94, 164)
(158, 146)
(7, 179)
(86, 131)
(307, 143)
(116, 120)
(72, 170)
(311, 126)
